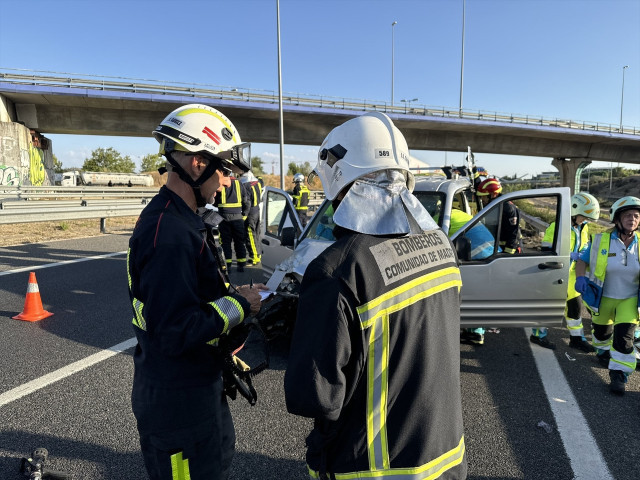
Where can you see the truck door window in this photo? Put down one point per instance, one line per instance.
(278, 214)
(433, 202)
(322, 225)
(490, 233)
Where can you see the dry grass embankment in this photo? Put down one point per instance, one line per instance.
(37, 232)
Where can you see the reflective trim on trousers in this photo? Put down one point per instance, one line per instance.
(575, 327)
(179, 467)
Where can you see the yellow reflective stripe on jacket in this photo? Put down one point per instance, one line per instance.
(230, 310)
(374, 315)
(138, 320)
(409, 293)
(179, 467)
(429, 471)
(223, 197)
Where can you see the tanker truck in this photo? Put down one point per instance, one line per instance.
(76, 178)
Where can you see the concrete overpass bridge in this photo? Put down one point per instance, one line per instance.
(50, 104)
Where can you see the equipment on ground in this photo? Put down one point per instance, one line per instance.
(34, 467)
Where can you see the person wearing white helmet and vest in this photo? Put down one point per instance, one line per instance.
(611, 289)
(584, 208)
(182, 308)
(300, 196)
(375, 356)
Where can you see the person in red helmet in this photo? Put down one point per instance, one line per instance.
(510, 236)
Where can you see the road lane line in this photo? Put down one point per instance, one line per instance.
(57, 264)
(75, 367)
(583, 452)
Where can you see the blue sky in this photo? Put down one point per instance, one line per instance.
(550, 58)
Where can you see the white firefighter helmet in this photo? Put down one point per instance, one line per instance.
(298, 178)
(625, 203)
(585, 204)
(199, 128)
(248, 177)
(360, 146)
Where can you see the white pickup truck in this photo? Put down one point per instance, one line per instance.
(524, 290)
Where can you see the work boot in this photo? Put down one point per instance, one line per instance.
(603, 357)
(472, 337)
(581, 343)
(618, 380)
(241, 266)
(543, 342)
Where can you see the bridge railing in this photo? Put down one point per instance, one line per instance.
(135, 85)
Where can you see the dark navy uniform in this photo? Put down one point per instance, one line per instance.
(233, 205)
(367, 359)
(181, 307)
(510, 235)
(252, 222)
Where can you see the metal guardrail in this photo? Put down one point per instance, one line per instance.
(27, 204)
(136, 85)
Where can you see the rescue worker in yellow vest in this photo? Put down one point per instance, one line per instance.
(253, 190)
(181, 306)
(375, 357)
(584, 208)
(300, 198)
(611, 289)
(233, 205)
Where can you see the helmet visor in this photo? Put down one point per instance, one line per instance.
(239, 157)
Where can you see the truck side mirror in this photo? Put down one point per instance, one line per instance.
(288, 237)
(463, 248)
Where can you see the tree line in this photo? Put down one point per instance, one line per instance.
(110, 160)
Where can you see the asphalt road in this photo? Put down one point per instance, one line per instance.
(529, 413)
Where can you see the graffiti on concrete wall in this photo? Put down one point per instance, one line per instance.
(29, 169)
(37, 173)
(9, 176)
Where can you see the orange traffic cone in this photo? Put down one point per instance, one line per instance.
(33, 310)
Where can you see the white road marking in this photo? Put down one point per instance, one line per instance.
(57, 264)
(583, 452)
(75, 367)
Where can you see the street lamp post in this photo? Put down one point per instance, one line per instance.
(280, 109)
(407, 103)
(462, 58)
(392, 59)
(622, 96)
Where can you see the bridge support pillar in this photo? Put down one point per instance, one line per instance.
(26, 157)
(570, 171)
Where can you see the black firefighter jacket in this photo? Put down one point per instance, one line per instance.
(375, 358)
(180, 303)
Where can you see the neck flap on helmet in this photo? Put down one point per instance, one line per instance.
(194, 184)
(392, 209)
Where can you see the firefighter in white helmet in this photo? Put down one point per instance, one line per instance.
(181, 307)
(611, 289)
(584, 208)
(380, 321)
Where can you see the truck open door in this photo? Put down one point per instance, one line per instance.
(524, 289)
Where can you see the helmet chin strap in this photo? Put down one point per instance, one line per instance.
(194, 184)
